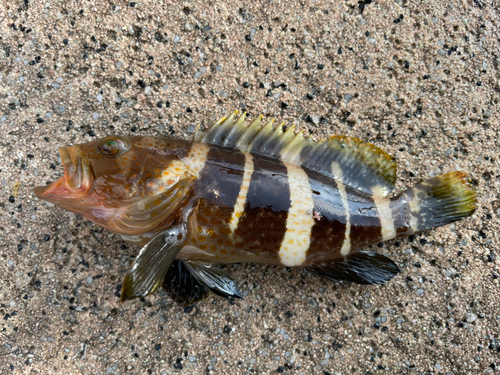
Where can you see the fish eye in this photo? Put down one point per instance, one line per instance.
(113, 146)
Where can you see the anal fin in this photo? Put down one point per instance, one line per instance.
(360, 267)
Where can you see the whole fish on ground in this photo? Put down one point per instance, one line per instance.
(240, 193)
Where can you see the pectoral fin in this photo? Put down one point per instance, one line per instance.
(214, 279)
(361, 268)
(152, 263)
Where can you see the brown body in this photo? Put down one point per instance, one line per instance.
(240, 193)
(262, 225)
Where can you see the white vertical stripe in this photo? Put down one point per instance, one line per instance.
(384, 213)
(239, 207)
(300, 220)
(414, 204)
(192, 164)
(197, 156)
(338, 175)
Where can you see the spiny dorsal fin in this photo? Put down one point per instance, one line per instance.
(355, 163)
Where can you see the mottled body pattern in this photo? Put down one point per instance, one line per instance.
(256, 194)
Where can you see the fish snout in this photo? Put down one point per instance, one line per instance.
(77, 178)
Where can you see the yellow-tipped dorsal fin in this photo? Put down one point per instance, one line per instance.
(363, 164)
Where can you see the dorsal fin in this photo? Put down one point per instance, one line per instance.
(355, 163)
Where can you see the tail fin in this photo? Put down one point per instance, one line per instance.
(440, 201)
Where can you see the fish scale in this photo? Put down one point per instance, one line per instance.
(250, 193)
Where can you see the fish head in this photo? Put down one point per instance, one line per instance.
(125, 184)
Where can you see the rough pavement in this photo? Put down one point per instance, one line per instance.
(419, 79)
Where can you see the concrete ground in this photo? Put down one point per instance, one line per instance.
(419, 79)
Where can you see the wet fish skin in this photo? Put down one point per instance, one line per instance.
(239, 193)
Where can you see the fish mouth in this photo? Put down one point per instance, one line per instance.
(77, 178)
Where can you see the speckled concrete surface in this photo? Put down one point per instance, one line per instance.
(418, 78)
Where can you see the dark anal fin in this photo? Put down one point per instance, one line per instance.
(181, 286)
(361, 268)
(214, 279)
(152, 263)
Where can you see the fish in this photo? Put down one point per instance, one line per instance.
(256, 193)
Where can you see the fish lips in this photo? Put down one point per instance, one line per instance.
(76, 181)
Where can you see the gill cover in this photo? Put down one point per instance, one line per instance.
(149, 212)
